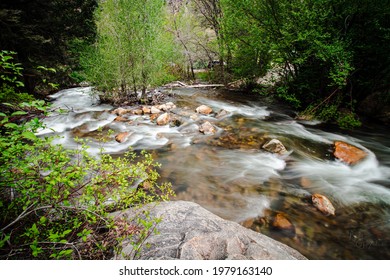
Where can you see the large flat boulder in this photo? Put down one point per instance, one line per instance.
(189, 232)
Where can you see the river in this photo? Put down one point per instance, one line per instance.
(229, 174)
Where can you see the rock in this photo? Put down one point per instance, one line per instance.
(121, 111)
(323, 204)
(166, 107)
(189, 232)
(146, 110)
(154, 116)
(306, 182)
(138, 111)
(275, 146)
(122, 137)
(162, 107)
(170, 106)
(207, 128)
(348, 153)
(163, 119)
(155, 110)
(204, 110)
(221, 114)
(280, 222)
(120, 119)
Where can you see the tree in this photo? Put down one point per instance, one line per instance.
(41, 33)
(131, 48)
(333, 52)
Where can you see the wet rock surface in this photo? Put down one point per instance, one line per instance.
(323, 204)
(189, 232)
(348, 153)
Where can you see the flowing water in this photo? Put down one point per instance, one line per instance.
(229, 174)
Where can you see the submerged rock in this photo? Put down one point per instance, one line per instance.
(207, 128)
(280, 222)
(274, 146)
(348, 153)
(189, 232)
(323, 204)
(163, 119)
(122, 137)
(221, 114)
(204, 110)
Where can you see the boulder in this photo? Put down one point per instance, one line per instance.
(122, 137)
(189, 232)
(323, 204)
(163, 119)
(207, 128)
(204, 110)
(274, 146)
(348, 153)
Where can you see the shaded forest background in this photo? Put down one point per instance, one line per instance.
(329, 55)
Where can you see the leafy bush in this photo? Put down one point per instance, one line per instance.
(55, 203)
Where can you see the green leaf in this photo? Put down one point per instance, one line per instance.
(29, 135)
(66, 232)
(19, 113)
(43, 219)
(11, 125)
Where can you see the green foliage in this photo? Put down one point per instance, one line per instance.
(132, 47)
(41, 31)
(322, 47)
(10, 78)
(54, 203)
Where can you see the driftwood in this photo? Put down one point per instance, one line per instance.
(181, 84)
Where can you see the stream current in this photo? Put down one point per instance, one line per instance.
(229, 174)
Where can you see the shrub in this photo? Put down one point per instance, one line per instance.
(55, 203)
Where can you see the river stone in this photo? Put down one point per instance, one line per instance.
(204, 110)
(207, 128)
(121, 137)
(323, 204)
(221, 114)
(348, 153)
(275, 146)
(120, 119)
(138, 111)
(280, 222)
(189, 232)
(146, 110)
(155, 110)
(163, 119)
(121, 111)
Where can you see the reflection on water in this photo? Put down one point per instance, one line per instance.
(231, 175)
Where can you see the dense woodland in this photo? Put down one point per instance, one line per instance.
(331, 55)
(328, 56)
